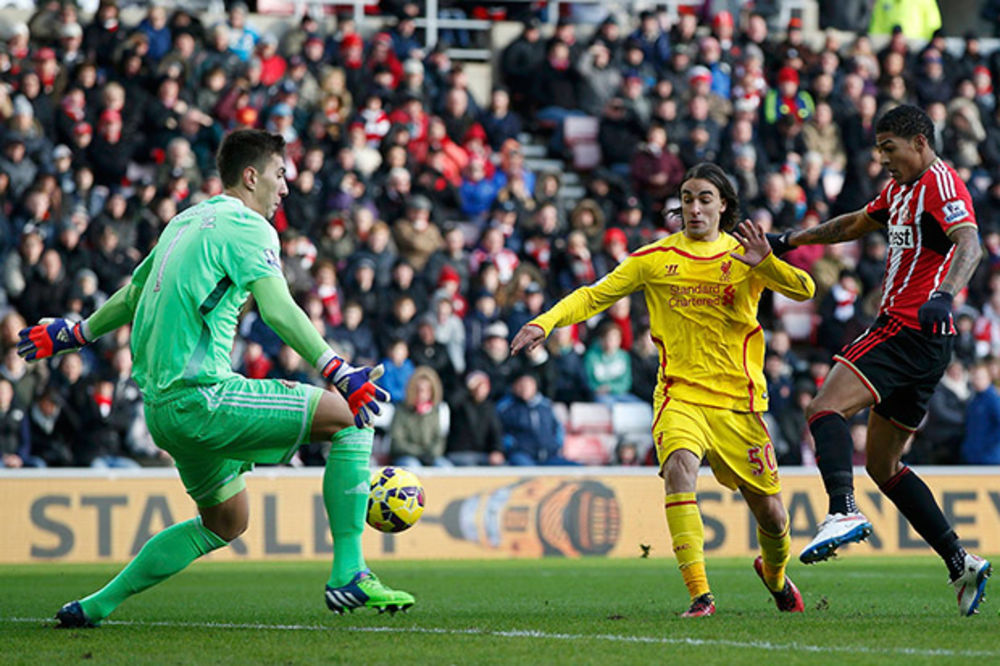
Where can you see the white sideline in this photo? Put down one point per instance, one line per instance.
(516, 633)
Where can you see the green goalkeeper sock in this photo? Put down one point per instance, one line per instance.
(345, 493)
(164, 555)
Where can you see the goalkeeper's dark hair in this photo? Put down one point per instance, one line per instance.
(243, 148)
(730, 217)
(906, 121)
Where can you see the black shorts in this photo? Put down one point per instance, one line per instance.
(900, 366)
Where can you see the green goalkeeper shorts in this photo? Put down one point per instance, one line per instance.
(217, 432)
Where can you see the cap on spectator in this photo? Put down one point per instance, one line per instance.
(61, 151)
(723, 18)
(897, 29)
(746, 104)
(70, 31)
(413, 66)
(497, 329)
(239, 6)
(475, 378)
(288, 87)
(745, 152)
(177, 172)
(484, 293)
(615, 235)
(532, 23)
(45, 53)
(419, 202)
(19, 29)
(281, 109)
(382, 38)
(788, 75)
(700, 73)
(351, 40)
(268, 39)
(296, 61)
(31, 229)
(82, 128)
(631, 202)
(22, 107)
(932, 55)
(965, 310)
(364, 262)
(449, 274)
(610, 19)
(427, 319)
(533, 288)
(247, 116)
(981, 69)
(795, 23)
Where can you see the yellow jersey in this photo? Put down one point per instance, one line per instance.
(703, 315)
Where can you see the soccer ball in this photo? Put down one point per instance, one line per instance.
(395, 500)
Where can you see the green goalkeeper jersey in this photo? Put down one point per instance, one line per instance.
(194, 283)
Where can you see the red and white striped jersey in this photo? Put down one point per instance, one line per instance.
(919, 217)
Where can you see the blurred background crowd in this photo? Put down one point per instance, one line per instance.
(418, 233)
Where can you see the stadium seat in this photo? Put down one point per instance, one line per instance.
(799, 319)
(589, 417)
(589, 449)
(580, 135)
(630, 418)
(562, 413)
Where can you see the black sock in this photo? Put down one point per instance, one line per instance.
(834, 456)
(914, 500)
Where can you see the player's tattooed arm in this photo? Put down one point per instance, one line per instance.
(964, 261)
(841, 228)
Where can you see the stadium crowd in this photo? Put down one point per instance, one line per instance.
(415, 235)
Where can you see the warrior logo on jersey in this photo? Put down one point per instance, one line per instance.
(955, 211)
(271, 258)
(728, 295)
(725, 267)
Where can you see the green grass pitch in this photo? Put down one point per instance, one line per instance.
(592, 611)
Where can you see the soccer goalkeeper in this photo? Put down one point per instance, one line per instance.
(183, 302)
(702, 292)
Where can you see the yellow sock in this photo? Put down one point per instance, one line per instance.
(774, 553)
(688, 535)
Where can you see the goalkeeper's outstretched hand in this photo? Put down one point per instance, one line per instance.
(50, 337)
(357, 385)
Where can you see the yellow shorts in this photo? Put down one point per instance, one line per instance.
(736, 444)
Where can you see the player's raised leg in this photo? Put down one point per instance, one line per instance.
(842, 395)
(772, 534)
(967, 573)
(687, 532)
(345, 494)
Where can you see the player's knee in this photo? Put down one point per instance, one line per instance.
(227, 530)
(880, 471)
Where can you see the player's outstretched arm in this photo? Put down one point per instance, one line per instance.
(758, 253)
(51, 337)
(280, 311)
(846, 227)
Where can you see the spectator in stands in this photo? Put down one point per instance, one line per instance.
(644, 358)
(493, 358)
(600, 78)
(532, 433)
(53, 430)
(475, 436)
(939, 441)
(416, 436)
(656, 172)
(15, 442)
(425, 350)
(355, 334)
(500, 122)
(243, 37)
(608, 367)
(981, 445)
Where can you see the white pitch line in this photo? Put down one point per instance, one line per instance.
(521, 633)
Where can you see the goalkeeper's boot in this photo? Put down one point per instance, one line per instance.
(366, 591)
(71, 616)
(971, 585)
(788, 598)
(836, 530)
(702, 606)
